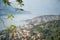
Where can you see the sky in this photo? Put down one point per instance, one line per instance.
(32, 8)
(38, 7)
(42, 7)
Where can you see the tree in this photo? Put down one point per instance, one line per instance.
(20, 2)
(7, 2)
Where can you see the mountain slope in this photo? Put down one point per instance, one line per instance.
(43, 19)
(49, 31)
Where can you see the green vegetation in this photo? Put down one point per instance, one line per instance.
(9, 3)
(49, 32)
(12, 28)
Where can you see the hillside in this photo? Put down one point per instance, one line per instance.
(45, 30)
(42, 19)
(49, 30)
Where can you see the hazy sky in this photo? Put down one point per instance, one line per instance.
(42, 7)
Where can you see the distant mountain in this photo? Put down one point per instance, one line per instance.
(50, 24)
(43, 19)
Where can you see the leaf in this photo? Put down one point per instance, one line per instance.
(9, 16)
(18, 9)
(21, 9)
(20, 2)
(11, 27)
(7, 2)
